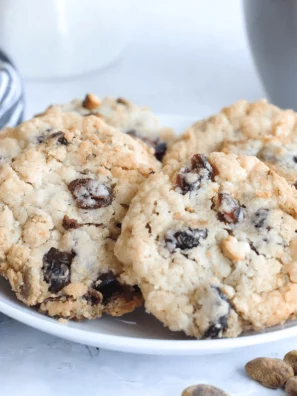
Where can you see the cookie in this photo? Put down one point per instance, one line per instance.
(212, 244)
(126, 116)
(259, 129)
(37, 130)
(62, 204)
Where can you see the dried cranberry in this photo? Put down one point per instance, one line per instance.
(252, 246)
(90, 193)
(108, 285)
(191, 178)
(186, 238)
(136, 289)
(61, 137)
(160, 150)
(159, 146)
(230, 211)
(69, 223)
(216, 328)
(150, 142)
(132, 132)
(260, 217)
(93, 297)
(122, 101)
(40, 139)
(56, 269)
(63, 140)
(44, 136)
(199, 161)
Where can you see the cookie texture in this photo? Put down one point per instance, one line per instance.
(62, 203)
(259, 129)
(37, 130)
(126, 116)
(212, 245)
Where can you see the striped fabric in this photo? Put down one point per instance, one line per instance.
(11, 94)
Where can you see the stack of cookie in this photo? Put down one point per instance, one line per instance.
(91, 222)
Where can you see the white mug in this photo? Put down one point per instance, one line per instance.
(62, 38)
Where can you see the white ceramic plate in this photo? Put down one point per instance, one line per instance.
(137, 332)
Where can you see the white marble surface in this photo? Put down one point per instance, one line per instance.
(188, 57)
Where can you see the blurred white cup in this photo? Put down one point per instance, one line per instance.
(62, 38)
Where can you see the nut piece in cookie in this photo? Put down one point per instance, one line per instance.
(91, 102)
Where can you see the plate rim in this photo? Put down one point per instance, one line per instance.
(143, 345)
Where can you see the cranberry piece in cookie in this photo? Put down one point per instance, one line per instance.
(60, 137)
(69, 223)
(191, 178)
(186, 238)
(107, 285)
(90, 193)
(56, 269)
(160, 150)
(158, 145)
(219, 323)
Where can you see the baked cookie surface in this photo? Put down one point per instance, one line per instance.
(139, 122)
(259, 129)
(212, 245)
(62, 204)
(35, 131)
